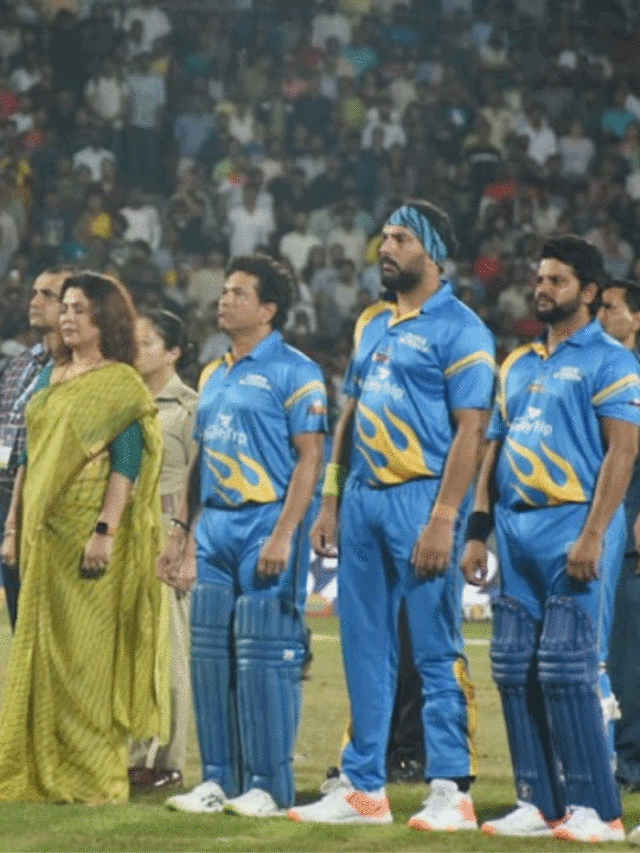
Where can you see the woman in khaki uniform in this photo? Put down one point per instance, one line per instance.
(161, 345)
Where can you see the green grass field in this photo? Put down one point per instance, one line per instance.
(146, 825)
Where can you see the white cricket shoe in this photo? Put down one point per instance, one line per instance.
(254, 803)
(446, 809)
(525, 821)
(206, 798)
(345, 804)
(585, 824)
(634, 836)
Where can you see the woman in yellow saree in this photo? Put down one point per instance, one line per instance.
(88, 665)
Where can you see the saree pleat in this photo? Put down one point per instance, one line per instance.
(89, 663)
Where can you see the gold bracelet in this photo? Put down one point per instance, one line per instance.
(9, 530)
(448, 513)
(334, 478)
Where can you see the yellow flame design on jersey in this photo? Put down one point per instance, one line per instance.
(540, 478)
(402, 463)
(262, 492)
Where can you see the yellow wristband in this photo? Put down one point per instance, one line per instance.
(334, 478)
(448, 513)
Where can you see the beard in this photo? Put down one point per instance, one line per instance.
(400, 281)
(556, 313)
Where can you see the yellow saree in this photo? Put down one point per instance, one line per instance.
(89, 662)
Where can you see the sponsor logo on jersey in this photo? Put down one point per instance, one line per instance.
(571, 374)
(256, 380)
(222, 430)
(409, 339)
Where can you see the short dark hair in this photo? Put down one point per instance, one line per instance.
(584, 259)
(440, 221)
(112, 312)
(631, 292)
(275, 283)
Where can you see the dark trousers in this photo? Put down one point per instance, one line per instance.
(10, 575)
(624, 671)
(406, 736)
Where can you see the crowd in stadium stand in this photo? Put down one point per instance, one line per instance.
(156, 141)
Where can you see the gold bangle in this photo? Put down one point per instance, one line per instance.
(334, 478)
(448, 513)
(8, 531)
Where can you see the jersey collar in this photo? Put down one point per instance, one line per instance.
(261, 351)
(582, 338)
(431, 305)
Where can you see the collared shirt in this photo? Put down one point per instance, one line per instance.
(409, 374)
(547, 414)
(16, 387)
(248, 414)
(177, 404)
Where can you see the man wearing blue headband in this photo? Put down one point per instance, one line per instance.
(405, 452)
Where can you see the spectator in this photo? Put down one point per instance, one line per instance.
(349, 235)
(248, 225)
(383, 117)
(154, 21)
(148, 99)
(93, 154)
(191, 130)
(108, 98)
(206, 280)
(577, 152)
(330, 22)
(143, 220)
(617, 118)
(296, 245)
(541, 138)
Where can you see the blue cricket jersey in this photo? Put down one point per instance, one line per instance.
(547, 414)
(247, 415)
(408, 374)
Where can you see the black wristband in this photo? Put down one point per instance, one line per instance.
(102, 529)
(479, 526)
(181, 524)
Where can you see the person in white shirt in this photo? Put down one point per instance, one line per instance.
(331, 22)
(577, 151)
(92, 154)
(392, 131)
(155, 23)
(542, 139)
(143, 220)
(107, 97)
(350, 236)
(296, 245)
(148, 98)
(248, 225)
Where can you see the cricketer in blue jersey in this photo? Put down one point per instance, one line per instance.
(563, 440)
(620, 316)
(420, 388)
(259, 425)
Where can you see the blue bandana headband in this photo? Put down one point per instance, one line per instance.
(411, 218)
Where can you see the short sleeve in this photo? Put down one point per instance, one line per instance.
(306, 404)
(125, 451)
(616, 393)
(470, 368)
